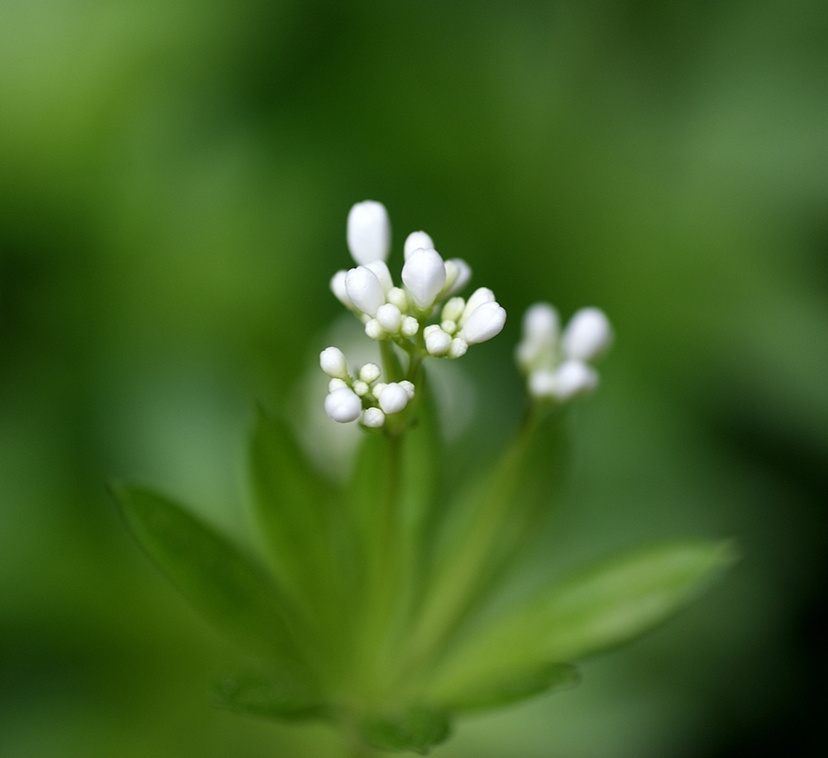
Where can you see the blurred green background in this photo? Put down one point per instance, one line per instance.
(174, 183)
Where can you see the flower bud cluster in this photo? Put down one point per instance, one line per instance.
(557, 365)
(400, 313)
(361, 396)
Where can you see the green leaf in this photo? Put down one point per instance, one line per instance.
(490, 522)
(603, 607)
(295, 508)
(414, 729)
(493, 690)
(391, 497)
(222, 583)
(276, 695)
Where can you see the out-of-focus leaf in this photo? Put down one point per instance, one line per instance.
(221, 582)
(600, 608)
(276, 695)
(391, 497)
(294, 506)
(415, 729)
(490, 521)
(485, 691)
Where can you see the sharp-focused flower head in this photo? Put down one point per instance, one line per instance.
(423, 317)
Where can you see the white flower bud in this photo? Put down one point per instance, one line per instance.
(453, 309)
(484, 323)
(389, 318)
(338, 288)
(541, 323)
(369, 373)
(382, 273)
(333, 363)
(408, 387)
(361, 388)
(369, 232)
(417, 241)
(343, 405)
(393, 398)
(538, 349)
(424, 274)
(373, 418)
(458, 274)
(336, 384)
(573, 379)
(450, 327)
(436, 340)
(587, 335)
(378, 388)
(364, 290)
(458, 348)
(396, 296)
(374, 330)
(479, 297)
(410, 326)
(542, 383)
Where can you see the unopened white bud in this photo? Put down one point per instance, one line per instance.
(541, 323)
(417, 241)
(396, 296)
(542, 383)
(480, 296)
(587, 335)
(382, 273)
(453, 309)
(338, 288)
(538, 349)
(408, 387)
(436, 340)
(389, 317)
(373, 418)
(393, 398)
(369, 373)
(361, 388)
(424, 275)
(458, 274)
(484, 323)
(333, 363)
(374, 330)
(369, 232)
(364, 290)
(573, 379)
(410, 326)
(343, 405)
(458, 348)
(336, 384)
(377, 389)
(448, 326)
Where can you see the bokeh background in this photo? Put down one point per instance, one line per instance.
(174, 183)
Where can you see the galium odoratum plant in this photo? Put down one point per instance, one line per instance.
(370, 604)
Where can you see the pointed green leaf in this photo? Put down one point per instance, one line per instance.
(601, 608)
(273, 694)
(295, 508)
(488, 689)
(414, 729)
(222, 583)
(489, 523)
